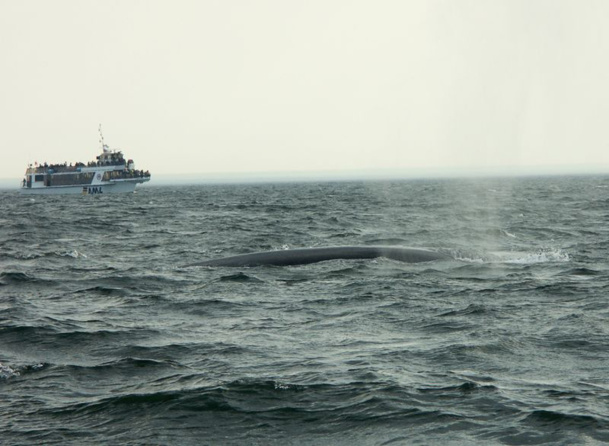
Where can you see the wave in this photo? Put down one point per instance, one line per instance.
(131, 365)
(581, 272)
(8, 372)
(465, 388)
(500, 233)
(550, 418)
(103, 291)
(356, 401)
(387, 241)
(13, 278)
(73, 253)
(551, 255)
(541, 256)
(42, 254)
(470, 310)
(240, 278)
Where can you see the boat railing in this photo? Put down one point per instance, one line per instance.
(62, 168)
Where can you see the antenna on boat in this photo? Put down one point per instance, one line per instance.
(101, 136)
(101, 140)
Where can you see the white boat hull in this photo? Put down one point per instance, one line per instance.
(115, 187)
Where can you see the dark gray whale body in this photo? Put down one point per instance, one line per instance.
(311, 255)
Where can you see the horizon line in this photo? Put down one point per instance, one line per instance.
(359, 175)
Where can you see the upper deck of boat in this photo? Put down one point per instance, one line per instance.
(107, 160)
(78, 167)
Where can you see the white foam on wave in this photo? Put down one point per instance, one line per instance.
(7, 372)
(75, 254)
(542, 256)
(523, 258)
(469, 258)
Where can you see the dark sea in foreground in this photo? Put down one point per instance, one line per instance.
(105, 338)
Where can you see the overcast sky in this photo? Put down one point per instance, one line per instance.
(209, 87)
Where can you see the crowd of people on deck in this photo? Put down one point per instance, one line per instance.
(114, 159)
(128, 173)
(65, 167)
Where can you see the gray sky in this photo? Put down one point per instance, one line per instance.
(208, 86)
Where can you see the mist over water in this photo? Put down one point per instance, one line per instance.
(105, 339)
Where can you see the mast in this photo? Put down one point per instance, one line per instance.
(101, 140)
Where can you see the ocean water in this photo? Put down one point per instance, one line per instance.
(106, 338)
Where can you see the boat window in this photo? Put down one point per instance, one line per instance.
(39, 178)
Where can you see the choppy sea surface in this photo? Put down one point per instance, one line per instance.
(106, 338)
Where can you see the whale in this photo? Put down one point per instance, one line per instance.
(304, 256)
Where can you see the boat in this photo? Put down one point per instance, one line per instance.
(110, 173)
